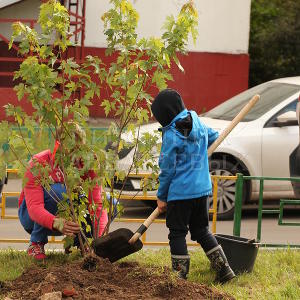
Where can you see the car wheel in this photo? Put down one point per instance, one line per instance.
(226, 188)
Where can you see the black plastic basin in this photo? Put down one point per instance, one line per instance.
(240, 252)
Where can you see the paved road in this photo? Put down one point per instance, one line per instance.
(271, 232)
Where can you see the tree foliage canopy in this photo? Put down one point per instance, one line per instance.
(274, 40)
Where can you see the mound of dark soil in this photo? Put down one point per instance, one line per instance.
(108, 281)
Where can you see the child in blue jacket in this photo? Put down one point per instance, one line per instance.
(185, 183)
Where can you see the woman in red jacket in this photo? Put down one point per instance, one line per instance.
(38, 207)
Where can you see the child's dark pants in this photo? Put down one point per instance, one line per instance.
(189, 215)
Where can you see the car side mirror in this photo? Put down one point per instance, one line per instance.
(286, 119)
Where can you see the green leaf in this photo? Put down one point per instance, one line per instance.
(107, 106)
(68, 242)
(178, 63)
(20, 89)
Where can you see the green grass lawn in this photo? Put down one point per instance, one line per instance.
(276, 274)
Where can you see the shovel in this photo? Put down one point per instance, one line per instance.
(123, 242)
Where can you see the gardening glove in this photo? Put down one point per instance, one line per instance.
(68, 228)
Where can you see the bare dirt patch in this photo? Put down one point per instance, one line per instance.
(125, 280)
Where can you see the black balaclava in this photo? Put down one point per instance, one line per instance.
(166, 106)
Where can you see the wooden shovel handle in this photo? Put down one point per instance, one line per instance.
(232, 124)
(210, 150)
(144, 226)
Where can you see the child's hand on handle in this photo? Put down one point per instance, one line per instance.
(162, 206)
(68, 228)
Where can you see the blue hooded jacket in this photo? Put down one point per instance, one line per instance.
(183, 160)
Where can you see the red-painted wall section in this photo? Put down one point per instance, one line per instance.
(8, 95)
(208, 80)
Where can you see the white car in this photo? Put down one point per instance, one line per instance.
(260, 145)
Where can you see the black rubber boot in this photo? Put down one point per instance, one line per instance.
(220, 264)
(181, 264)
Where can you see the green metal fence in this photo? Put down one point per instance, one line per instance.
(96, 136)
(261, 211)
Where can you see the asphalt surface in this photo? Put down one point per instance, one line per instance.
(271, 231)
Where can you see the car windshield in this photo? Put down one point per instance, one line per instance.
(271, 94)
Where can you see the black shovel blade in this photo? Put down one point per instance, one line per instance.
(115, 246)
